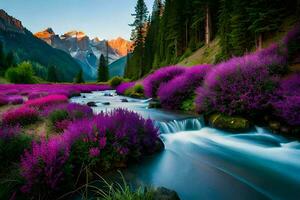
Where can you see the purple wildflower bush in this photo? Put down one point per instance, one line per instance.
(72, 112)
(159, 77)
(173, 93)
(43, 167)
(286, 103)
(121, 89)
(20, 116)
(102, 141)
(50, 100)
(239, 86)
(3, 100)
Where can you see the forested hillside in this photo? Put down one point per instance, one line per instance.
(176, 28)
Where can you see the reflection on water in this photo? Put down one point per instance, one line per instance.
(205, 163)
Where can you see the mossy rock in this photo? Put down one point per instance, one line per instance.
(228, 123)
(154, 104)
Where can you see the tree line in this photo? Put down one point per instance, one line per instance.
(175, 28)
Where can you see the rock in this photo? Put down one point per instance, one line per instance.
(91, 104)
(108, 95)
(83, 96)
(159, 146)
(228, 123)
(124, 100)
(154, 104)
(162, 193)
(274, 125)
(106, 103)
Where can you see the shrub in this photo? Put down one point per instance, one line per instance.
(121, 89)
(3, 100)
(137, 91)
(118, 136)
(105, 140)
(163, 75)
(115, 81)
(12, 145)
(23, 73)
(36, 95)
(47, 101)
(62, 115)
(58, 116)
(44, 168)
(15, 100)
(22, 116)
(286, 104)
(274, 58)
(173, 93)
(238, 86)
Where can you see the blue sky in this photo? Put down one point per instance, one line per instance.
(105, 19)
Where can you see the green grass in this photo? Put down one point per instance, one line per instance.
(205, 55)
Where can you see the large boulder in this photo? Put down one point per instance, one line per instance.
(228, 123)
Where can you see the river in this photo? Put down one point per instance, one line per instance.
(200, 162)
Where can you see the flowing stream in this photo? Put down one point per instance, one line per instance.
(205, 163)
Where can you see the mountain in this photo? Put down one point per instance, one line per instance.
(26, 46)
(117, 68)
(85, 50)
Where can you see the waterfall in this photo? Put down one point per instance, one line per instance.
(174, 126)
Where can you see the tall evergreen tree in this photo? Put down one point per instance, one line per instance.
(264, 17)
(103, 75)
(79, 77)
(2, 58)
(52, 75)
(10, 60)
(140, 25)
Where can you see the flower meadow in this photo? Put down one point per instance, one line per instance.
(51, 164)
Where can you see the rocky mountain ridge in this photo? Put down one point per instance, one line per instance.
(85, 50)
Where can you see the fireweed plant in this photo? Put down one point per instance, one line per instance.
(103, 141)
(160, 76)
(173, 93)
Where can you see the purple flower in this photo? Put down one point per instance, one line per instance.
(94, 152)
(173, 93)
(239, 86)
(161, 76)
(286, 103)
(22, 116)
(121, 89)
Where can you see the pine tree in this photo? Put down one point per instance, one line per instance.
(102, 70)
(79, 77)
(52, 74)
(10, 60)
(265, 17)
(138, 35)
(2, 59)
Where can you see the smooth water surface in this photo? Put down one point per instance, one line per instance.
(204, 163)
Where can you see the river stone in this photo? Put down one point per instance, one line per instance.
(162, 193)
(124, 100)
(228, 123)
(108, 94)
(91, 104)
(106, 103)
